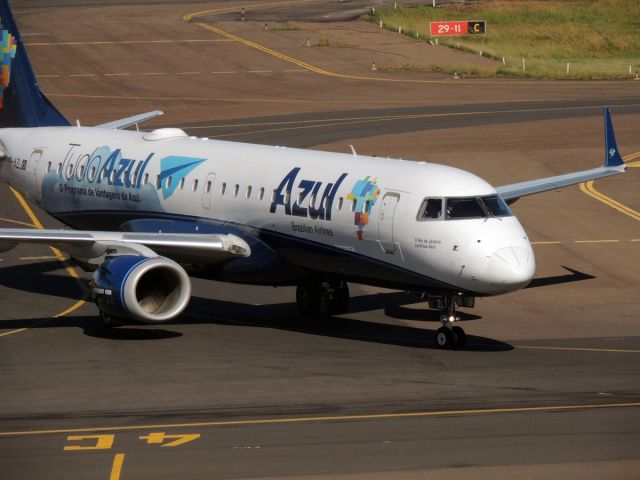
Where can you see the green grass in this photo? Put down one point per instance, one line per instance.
(600, 39)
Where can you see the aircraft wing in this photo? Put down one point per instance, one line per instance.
(613, 165)
(92, 246)
(127, 122)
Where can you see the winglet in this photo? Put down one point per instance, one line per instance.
(612, 155)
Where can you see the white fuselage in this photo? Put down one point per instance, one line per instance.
(365, 206)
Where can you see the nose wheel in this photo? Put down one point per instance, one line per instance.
(450, 336)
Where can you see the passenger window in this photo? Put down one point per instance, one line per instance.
(195, 185)
(113, 176)
(340, 201)
(48, 167)
(236, 189)
(59, 168)
(168, 182)
(431, 209)
(248, 191)
(223, 188)
(273, 196)
(181, 183)
(261, 193)
(158, 181)
(146, 178)
(353, 205)
(208, 189)
(365, 207)
(93, 172)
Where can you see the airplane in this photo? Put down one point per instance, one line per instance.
(150, 209)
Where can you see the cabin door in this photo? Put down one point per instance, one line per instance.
(385, 221)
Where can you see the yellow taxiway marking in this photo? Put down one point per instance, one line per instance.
(72, 308)
(191, 16)
(17, 222)
(125, 42)
(578, 349)
(57, 255)
(335, 418)
(589, 189)
(116, 468)
(595, 241)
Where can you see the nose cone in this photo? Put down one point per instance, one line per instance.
(510, 268)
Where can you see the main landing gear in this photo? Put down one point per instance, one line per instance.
(334, 294)
(449, 336)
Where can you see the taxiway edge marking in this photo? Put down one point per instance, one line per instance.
(334, 418)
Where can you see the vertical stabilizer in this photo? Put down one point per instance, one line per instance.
(22, 104)
(612, 156)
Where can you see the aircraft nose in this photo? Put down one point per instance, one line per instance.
(511, 268)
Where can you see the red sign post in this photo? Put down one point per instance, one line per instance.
(464, 27)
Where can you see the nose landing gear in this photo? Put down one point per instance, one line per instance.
(450, 336)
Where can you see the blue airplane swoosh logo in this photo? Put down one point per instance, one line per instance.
(176, 167)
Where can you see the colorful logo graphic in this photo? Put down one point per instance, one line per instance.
(8, 53)
(176, 168)
(365, 193)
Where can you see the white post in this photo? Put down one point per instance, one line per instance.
(524, 65)
(434, 3)
(504, 61)
(399, 29)
(568, 64)
(395, 5)
(630, 70)
(436, 40)
(481, 52)
(418, 36)
(380, 23)
(373, 66)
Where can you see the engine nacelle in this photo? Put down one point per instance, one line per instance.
(149, 290)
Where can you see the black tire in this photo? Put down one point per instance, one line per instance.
(338, 299)
(445, 338)
(308, 298)
(110, 322)
(461, 337)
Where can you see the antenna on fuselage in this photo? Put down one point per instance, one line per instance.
(353, 150)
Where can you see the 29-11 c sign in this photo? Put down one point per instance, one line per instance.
(464, 27)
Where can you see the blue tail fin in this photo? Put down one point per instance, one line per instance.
(612, 156)
(22, 104)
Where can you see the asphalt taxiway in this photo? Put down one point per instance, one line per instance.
(239, 386)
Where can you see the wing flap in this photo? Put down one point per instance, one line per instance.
(522, 189)
(91, 246)
(613, 165)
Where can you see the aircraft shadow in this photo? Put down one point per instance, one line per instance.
(283, 316)
(572, 276)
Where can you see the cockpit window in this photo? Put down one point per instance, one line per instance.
(468, 207)
(476, 207)
(496, 206)
(431, 209)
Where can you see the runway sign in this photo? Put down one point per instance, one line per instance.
(464, 27)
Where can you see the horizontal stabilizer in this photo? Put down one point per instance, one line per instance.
(129, 121)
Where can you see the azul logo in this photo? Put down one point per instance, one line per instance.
(365, 193)
(612, 152)
(175, 168)
(103, 167)
(7, 53)
(108, 167)
(307, 192)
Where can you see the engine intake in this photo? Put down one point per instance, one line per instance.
(149, 290)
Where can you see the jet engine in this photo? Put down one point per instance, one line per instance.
(145, 289)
